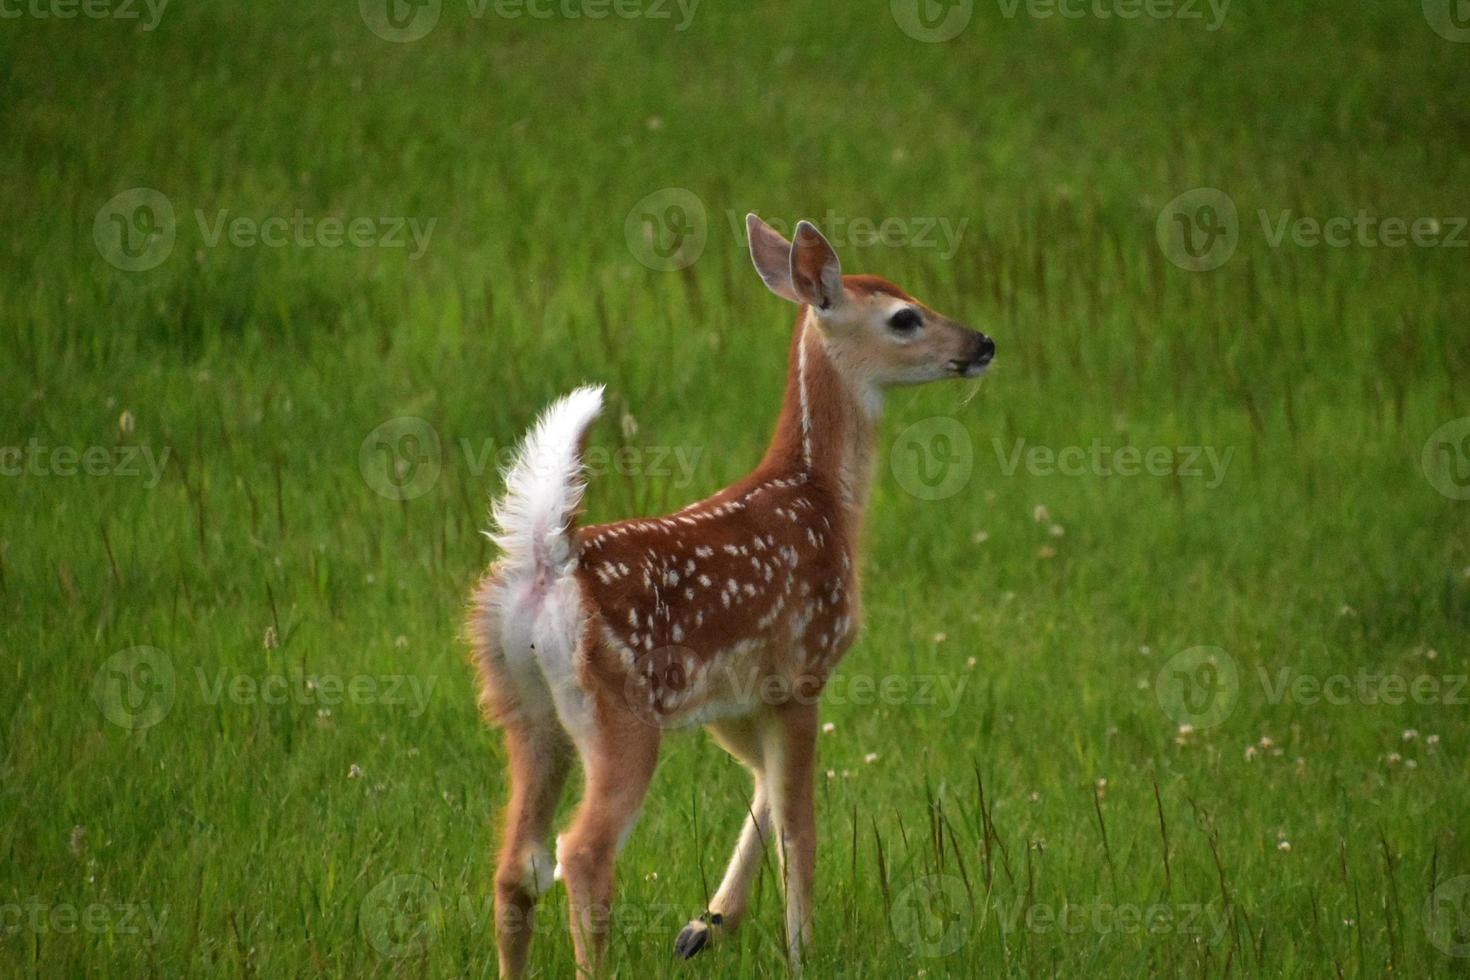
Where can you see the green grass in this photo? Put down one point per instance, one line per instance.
(1323, 550)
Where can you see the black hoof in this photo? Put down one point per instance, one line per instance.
(695, 936)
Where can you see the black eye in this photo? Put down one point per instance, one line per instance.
(906, 320)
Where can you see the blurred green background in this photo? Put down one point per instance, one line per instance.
(1110, 193)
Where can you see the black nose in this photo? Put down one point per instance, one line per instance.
(984, 350)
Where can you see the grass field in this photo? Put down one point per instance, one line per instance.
(1184, 585)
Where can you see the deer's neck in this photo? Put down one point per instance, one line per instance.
(828, 425)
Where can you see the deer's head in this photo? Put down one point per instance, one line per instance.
(876, 334)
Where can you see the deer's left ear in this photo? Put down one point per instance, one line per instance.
(816, 274)
(772, 257)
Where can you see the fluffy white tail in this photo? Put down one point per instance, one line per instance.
(543, 488)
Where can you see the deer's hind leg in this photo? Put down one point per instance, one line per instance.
(618, 759)
(539, 756)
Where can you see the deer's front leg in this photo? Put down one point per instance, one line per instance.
(741, 737)
(791, 746)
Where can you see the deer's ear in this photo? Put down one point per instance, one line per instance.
(772, 257)
(816, 274)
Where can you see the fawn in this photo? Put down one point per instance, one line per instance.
(731, 613)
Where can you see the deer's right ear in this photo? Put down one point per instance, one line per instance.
(772, 257)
